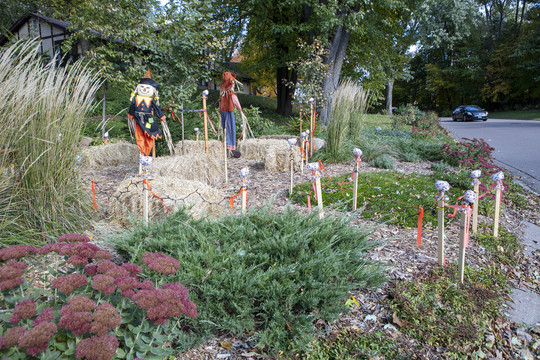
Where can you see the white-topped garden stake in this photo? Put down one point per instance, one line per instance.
(244, 179)
(204, 96)
(498, 178)
(475, 174)
(357, 153)
(442, 187)
(469, 198)
(316, 175)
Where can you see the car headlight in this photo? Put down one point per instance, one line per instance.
(469, 113)
(487, 113)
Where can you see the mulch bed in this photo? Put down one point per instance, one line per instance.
(398, 249)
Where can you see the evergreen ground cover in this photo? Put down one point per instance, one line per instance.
(270, 274)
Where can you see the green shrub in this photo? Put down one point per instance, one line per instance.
(410, 157)
(372, 148)
(440, 166)
(384, 162)
(274, 274)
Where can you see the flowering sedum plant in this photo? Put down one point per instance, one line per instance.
(90, 308)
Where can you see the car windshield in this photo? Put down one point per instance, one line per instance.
(473, 108)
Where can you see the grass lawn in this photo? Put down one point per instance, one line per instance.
(518, 115)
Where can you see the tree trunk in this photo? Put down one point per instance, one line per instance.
(286, 83)
(389, 89)
(336, 54)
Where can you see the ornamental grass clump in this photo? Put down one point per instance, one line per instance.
(42, 112)
(93, 309)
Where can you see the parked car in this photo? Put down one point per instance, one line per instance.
(469, 113)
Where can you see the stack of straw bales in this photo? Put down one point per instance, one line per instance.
(121, 153)
(203, 167)
(274, 153)
(168, 188)
(197, 147)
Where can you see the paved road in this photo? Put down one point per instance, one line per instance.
(516, 143)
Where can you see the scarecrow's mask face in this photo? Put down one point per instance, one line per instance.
(146, 90)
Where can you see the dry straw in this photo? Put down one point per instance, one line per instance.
(121, 153)
(204, 168)
(274, 153)
(206, 202)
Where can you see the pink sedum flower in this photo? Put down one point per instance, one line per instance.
(10, 274)
(68, 283)
(73, 238)
(23, 310)
(106, 318)
(104, 283)
(12, 336)
(16, 252)
(161, 263)
(134, 270)
(37, 339)
(46, 315)
(97, 348)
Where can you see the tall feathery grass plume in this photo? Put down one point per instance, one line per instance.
(349, 104)
(42, 114)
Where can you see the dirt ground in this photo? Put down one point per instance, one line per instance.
(398, 249)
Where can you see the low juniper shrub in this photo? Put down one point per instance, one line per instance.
(89, 307)
(384, 162)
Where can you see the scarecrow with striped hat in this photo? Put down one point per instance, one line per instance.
(145, 113)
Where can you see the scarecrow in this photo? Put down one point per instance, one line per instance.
(145, 112)
(228, 102)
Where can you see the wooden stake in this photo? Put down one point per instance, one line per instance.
(461, 258)
(475, 208)
(292, 174)
(497, 210)
(440, 225)
(225, 153)
(355, 187)
(145, 203)
(140, 165)
(205, 123)
(319, 197)
(182, 117)
(154, 149)
(244, 200)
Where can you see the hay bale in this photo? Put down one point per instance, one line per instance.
(274, 153)
(197, 147)
(130, 199)
(121, 153)
(204, 168)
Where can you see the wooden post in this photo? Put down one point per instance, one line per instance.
(292, 174)
(319, 197)
(204, 94)
(140, 165)
(355, 187)
(312, 128)
(225, 153)
(497, 210)
(440, 225)
(475, 208)
(244, 199)
(154, 149)
(182, 117)
(461, 259)
(145, 203)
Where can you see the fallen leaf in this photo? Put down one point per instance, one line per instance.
(399, 322)
(225, 344)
